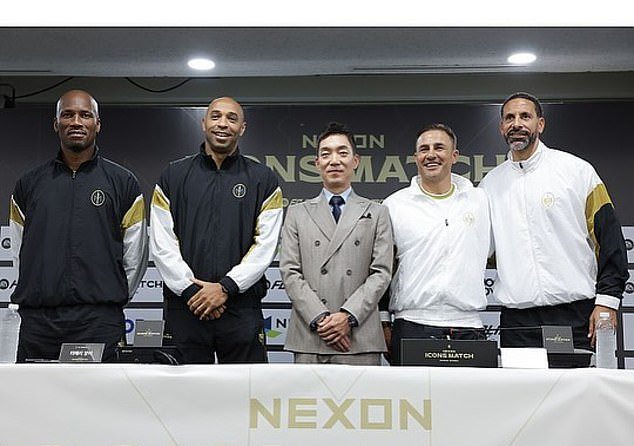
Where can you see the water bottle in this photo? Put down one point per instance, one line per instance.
(9, 333)
(606, 342)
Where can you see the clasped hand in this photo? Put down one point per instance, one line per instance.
(209, 302)
(335, 331)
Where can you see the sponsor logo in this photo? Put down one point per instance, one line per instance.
(148, 333)
(129, 325)
(558, 339)
(491, 330)
(289, 202)
(548, 200)
(6, 243)
(151, 284)
(488, 285)
(239, 190)
(468, 219)
(351, 413)
(97, 198)
(361, 141)
(268, 330)
(6, 283)
(276, 285)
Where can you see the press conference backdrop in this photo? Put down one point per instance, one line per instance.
(145, 139)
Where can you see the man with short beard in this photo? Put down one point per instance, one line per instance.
(215, 222)
(79, 240)
(560, 252)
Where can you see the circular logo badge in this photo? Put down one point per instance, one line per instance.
(239, 190)
(4, 284)
(6, 243)
(629, 287)
(468, 219)
(629, 244)
(548, 200)
(98, 198)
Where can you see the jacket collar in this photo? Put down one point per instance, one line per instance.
(461, 184)
(321, 213)
(228, 161)
(59, 159)
(336, 233)
(532, 162)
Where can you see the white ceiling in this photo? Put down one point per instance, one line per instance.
(246, 52)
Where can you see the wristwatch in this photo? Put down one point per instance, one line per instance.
(352, 321)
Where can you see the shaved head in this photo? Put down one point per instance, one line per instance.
(223, 126)
(77, 121)
(227, 100)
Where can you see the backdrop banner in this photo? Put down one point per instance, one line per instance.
(284, 137)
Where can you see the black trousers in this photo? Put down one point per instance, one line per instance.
(522, 327)
(43, 330)
(402, 329)
(237, 337)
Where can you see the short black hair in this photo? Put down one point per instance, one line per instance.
(336, 128)
(524, 95)
(443, 127)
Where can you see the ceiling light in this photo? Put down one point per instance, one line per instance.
(522, 58)
(201, 64)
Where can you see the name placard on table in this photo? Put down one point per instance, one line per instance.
(71, 352)
(448, 353)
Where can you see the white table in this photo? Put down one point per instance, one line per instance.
(293, 405)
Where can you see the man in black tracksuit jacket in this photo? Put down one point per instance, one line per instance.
(78, 234)
(215, 222)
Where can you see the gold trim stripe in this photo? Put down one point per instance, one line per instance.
(596, 200)
(15, 214)
(135, 214)
(273, 202)
(160, 200)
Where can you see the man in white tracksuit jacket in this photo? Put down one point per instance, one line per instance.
(442, 237)
(560, 252)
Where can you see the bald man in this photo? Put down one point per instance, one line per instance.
(78, 235)
(215, 221)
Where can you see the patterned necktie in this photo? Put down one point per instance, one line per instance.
(336, 201)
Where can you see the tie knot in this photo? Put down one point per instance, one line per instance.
(337, 200)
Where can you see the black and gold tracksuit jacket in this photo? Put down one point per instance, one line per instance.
(217, 225)
(78, 237)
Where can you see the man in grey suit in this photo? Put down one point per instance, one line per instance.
(336, 262)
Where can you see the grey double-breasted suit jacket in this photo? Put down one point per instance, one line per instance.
(328, 267)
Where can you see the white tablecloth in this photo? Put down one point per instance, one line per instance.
(293, 405)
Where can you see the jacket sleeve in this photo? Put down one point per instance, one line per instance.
(16, 225)
(165, 247)
(261, 253)
(135, 241)
(384, 303)
(305, 301)
(364, 300)
(604, 230)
